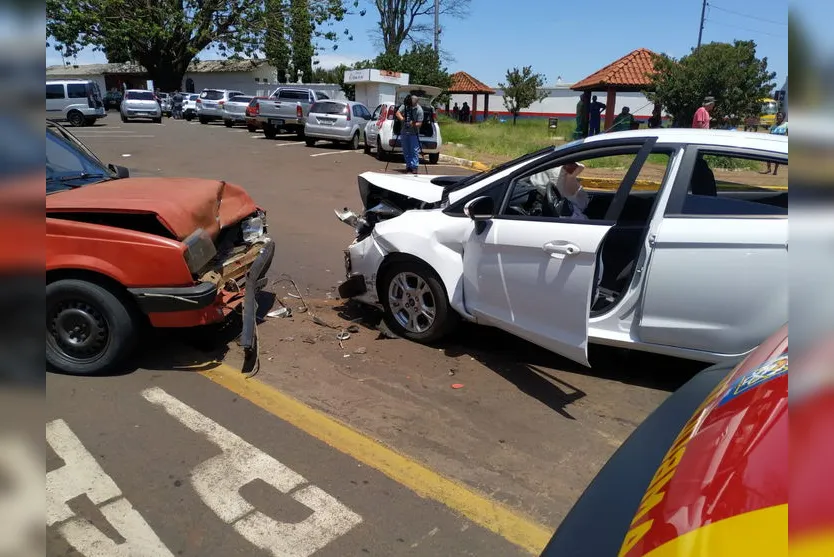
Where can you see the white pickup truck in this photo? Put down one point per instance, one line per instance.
(286, 109)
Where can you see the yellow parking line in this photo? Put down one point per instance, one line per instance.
(492, 515)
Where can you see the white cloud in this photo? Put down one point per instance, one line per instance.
(331, 60)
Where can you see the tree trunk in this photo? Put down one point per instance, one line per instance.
(515, 117)
(167, 75)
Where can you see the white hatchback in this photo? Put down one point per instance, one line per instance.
(383, 131)
(676, 243)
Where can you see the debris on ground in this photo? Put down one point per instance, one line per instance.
(353, 329)
(308, 340)
(361, 350)
(280, 312)
(457, 385)
(319, 321)
(452, 371)
(385, 332)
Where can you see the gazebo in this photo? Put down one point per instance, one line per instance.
(465, 84)
(629, 74)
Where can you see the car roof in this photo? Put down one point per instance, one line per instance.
(716, 138)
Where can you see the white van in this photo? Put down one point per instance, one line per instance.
(77, 101)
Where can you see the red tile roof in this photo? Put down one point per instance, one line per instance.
(462, 82)
(629, 71)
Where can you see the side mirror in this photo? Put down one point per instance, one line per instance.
(480, 208)
(120, 171)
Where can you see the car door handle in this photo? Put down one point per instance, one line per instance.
(556, 249)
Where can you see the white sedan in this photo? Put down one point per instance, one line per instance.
(382, 132)
(675, 243)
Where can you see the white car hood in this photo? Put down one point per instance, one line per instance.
(417, 187)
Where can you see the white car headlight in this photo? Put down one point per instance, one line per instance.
(253, 228)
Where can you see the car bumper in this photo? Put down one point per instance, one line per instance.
(142, 113)
(280, 122)
(362, 261)
(205, 302)
(329, 132)
(210, 113)
(428, 145)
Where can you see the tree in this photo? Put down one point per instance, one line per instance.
(522, 89)
(411, 21)
(729, 72)
(276, 38)
(301, 31)
(165, 36)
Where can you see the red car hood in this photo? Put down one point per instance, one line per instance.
(182, 205)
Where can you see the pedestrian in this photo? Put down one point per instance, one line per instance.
(702, 115)
(456, 112)
(779, 128)
(177, 107)
(410, 115)
(580, 117)
(623, 121)
(656, 119)
(595, 111)
(464, 112)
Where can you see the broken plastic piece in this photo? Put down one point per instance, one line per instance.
(280, 312)
(342, 335)
(457, 385)
(353, 329)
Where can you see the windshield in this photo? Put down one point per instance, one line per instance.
(328, 108)
(770, 107)
(69, 164)
(139, 96)
(211, 95)
(501, 167)
(240, 99)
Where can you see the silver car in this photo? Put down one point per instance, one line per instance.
(210, 104)
(234, 110)
(138, 103)
(338, 121)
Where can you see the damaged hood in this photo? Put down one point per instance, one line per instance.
(182, 205)
(419, 188)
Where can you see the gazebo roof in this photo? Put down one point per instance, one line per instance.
(631, 72)
(462, 82)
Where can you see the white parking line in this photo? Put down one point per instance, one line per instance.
(124, 136)
(334, 153)
(219, 479)
(82, 475)
(287, 144)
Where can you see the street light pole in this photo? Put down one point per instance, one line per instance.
(701, 28)
(437, 26)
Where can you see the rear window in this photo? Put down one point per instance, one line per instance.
(193, 97)
(321, 95)
(241, 99)
(54, 91)
(140, 95)
(77, 90)
(254, 101)
(294, 95)
(328, 108)
(211, 95)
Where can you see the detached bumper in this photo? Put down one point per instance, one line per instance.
(164, 300)
(362, 261)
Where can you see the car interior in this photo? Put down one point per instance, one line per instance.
(426, 129)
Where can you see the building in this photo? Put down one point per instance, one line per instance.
(254, 77)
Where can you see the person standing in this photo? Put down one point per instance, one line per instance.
(623, 121)
(595, 111)
(702, 115)
(464, 112)
(656, 119)
(580, 117)
(177, 106)
(456, 112)
(410, 115)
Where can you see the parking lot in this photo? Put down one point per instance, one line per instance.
(522, 427)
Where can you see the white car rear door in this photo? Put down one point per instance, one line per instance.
(534, 276)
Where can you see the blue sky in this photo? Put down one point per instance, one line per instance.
(558, 43)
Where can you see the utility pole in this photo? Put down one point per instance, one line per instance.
(701, 28)
(437, 26)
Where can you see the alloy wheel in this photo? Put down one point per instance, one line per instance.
(411, 302)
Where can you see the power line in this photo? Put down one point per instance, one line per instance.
(746, 29)
(747, 15)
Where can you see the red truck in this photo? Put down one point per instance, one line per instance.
(122, 252)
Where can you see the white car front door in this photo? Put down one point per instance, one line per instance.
(534, 279)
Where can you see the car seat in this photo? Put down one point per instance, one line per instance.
(703, 180)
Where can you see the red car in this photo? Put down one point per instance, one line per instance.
(121, 251)
(706, 474)
(252, 110)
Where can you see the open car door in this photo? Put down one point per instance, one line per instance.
(534, 277)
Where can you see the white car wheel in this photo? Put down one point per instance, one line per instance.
(415, 302)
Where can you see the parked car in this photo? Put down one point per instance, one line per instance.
(122, 252)
(708, 465)
(166, 103)
(142, 104)
(78, 101)
(210, 104)
(287, 109)
(113, 100)
(252, 123)
(681, 264)
(189, 105)
(338, 121)
(383, 131)
(234, 110)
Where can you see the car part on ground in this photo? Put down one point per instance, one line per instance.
(525, 263)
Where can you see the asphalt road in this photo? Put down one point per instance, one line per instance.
(182, 466)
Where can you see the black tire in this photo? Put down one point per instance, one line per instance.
(434, 158)
(380, 154)
(76, 119)
(157, 120)
(445, 319)
(310, 142)
(367, 148)
(299, 133)
(93, 309)
(189, 117)
(228, 123)
(270, 132)
(203, 120)
(89, 121)
(252, 129)
(124, 119)
(353, 144)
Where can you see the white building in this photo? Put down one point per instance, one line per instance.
(254, 77)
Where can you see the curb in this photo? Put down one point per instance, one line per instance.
(474, 165)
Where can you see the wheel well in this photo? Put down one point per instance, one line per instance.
(99, 279)
(398, 257)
